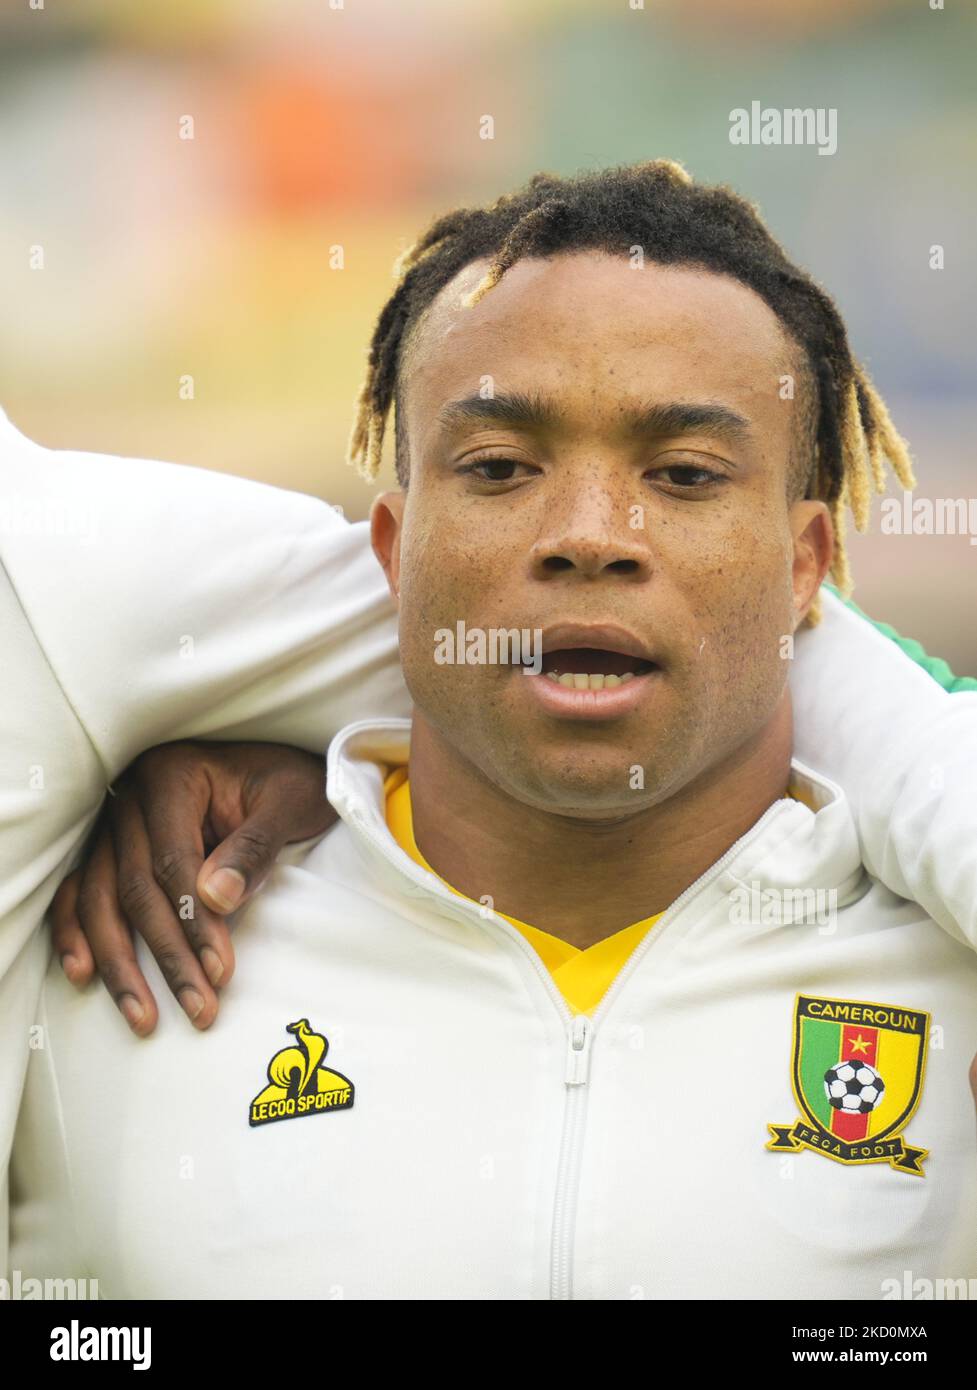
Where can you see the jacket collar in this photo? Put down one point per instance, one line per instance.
(790, 847)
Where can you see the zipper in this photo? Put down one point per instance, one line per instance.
(579, 1042)
(580, 1032)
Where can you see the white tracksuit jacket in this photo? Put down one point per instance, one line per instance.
(495, 1147)
(107, 565)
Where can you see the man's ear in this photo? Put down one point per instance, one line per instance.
(386, 528)
(814, 545)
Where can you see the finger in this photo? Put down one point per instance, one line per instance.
(240, 864)
(167, 831)
(70, 944)
(284, 808)
(149, 912)
(110, 940)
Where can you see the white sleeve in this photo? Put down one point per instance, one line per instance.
(44, 1238)
(172, 602)
(142, 602)
(905, 752)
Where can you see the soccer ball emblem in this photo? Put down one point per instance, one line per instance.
(855, 1087)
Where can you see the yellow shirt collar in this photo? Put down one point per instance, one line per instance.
(582, 976)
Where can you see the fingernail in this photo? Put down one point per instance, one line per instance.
(211, 962)
(226, 887)
(132, 1010)
(191, 1003)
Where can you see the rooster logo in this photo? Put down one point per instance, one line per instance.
(298, 1082)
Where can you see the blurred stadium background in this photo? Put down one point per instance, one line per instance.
(316, 126)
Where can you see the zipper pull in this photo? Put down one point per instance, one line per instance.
(578, 1051)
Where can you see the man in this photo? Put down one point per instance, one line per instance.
(569, 1130)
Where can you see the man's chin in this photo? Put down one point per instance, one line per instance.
(582, 784)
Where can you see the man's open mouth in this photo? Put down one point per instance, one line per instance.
(593, 668)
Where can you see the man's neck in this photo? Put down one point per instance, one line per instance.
(583, 880)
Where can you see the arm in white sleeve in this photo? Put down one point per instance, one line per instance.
(905, 752)
(142, 602)
(172, 602)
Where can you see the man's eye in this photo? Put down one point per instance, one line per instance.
(689, 475)
(493, 470)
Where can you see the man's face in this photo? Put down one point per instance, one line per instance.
(673, 540)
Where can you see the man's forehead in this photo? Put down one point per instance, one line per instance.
(579, 304)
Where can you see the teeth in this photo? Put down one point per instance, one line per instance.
(582, 681)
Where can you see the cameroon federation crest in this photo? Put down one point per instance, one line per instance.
(857, 1073)
(298, 1083)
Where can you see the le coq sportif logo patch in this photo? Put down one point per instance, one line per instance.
(298, 1083)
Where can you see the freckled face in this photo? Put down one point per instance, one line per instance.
(677, 532)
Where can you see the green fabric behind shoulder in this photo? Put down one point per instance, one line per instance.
(936, 667)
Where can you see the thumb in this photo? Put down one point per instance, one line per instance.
(239, 865)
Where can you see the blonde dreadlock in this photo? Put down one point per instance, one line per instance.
(657, 206)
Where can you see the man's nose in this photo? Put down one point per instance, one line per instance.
(592, 535)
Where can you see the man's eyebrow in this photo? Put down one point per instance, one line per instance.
(504, 408)
(687, 417)
(660, 420)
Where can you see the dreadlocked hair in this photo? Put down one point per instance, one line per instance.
(654, 206)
